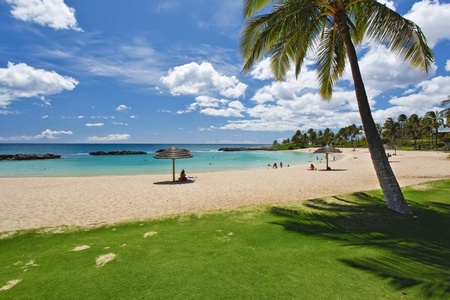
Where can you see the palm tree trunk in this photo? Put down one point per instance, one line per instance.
(388, 182)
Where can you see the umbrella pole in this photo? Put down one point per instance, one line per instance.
(326, 156)
(173, 169)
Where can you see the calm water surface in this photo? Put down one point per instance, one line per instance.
(76, 161)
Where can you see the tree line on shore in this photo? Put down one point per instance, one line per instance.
(418, 132)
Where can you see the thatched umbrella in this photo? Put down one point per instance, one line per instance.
(327, 149)
(173, 153)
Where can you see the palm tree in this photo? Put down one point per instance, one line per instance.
(312, 136)
(402, 119)
(330, 29)
(446, 111)
(414, 128)
(436, 121)
(391, 130)
(427, 130)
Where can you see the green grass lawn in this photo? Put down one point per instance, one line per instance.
(343, 247)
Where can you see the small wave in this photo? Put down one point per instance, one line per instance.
(204, 151)
(81, 154)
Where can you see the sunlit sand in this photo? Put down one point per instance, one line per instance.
(92, 201)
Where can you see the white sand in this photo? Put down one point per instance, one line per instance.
(90, 201)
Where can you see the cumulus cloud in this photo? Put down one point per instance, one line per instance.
(425, 13)
(23, 81)
(262, 70)
(109, 138)
(216, 107)
(122, 107)
(232, 109)
(447, 66)
(46, 134)
(383, 70)
(52, 13)
(203, 79)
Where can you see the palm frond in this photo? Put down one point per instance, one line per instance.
(400, 35)
(282, 34)
(330, 61)
(253, 6)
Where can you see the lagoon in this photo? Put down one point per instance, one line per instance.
(76, 161)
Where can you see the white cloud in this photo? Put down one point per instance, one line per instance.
(46, 134)
(228, 14)
(233, 109)
(447, 66)
(45, 102)
(425, 13)
(53, 13)
(109, 138)
(23, 81)
(262, 70)
(135, 63)
(102, 117)
(388, 3)
(428, 97)
(260, 125)
(94, 124)
(383, 70)
(122, 107)
(203, 79)
(167, 5)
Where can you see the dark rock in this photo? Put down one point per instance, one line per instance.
(28, 156)
(125, 152)
(262, 148)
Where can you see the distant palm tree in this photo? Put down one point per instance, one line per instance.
(436, 121)
(446, 111)
(391, 130)
(414, 128)
(312, 136)
(331, 28)
(402, 119)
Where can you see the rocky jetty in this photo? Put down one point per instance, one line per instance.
(125, 152)
(28, 156)
(268, 148)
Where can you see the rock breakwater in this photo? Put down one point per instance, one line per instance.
(125, 152)
(28, 156)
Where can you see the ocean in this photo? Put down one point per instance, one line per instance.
(76, 161)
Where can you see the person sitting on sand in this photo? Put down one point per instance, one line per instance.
(182, 176)
(311, 167)
(275, 166)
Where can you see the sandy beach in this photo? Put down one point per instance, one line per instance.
(90, 201)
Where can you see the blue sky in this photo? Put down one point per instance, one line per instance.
(169, 71)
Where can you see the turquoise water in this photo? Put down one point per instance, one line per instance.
(76, 161)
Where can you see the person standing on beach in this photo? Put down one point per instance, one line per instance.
(281, 164)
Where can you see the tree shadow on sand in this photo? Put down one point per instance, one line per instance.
(416, 248)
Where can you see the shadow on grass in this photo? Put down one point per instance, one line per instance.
(414, 250)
